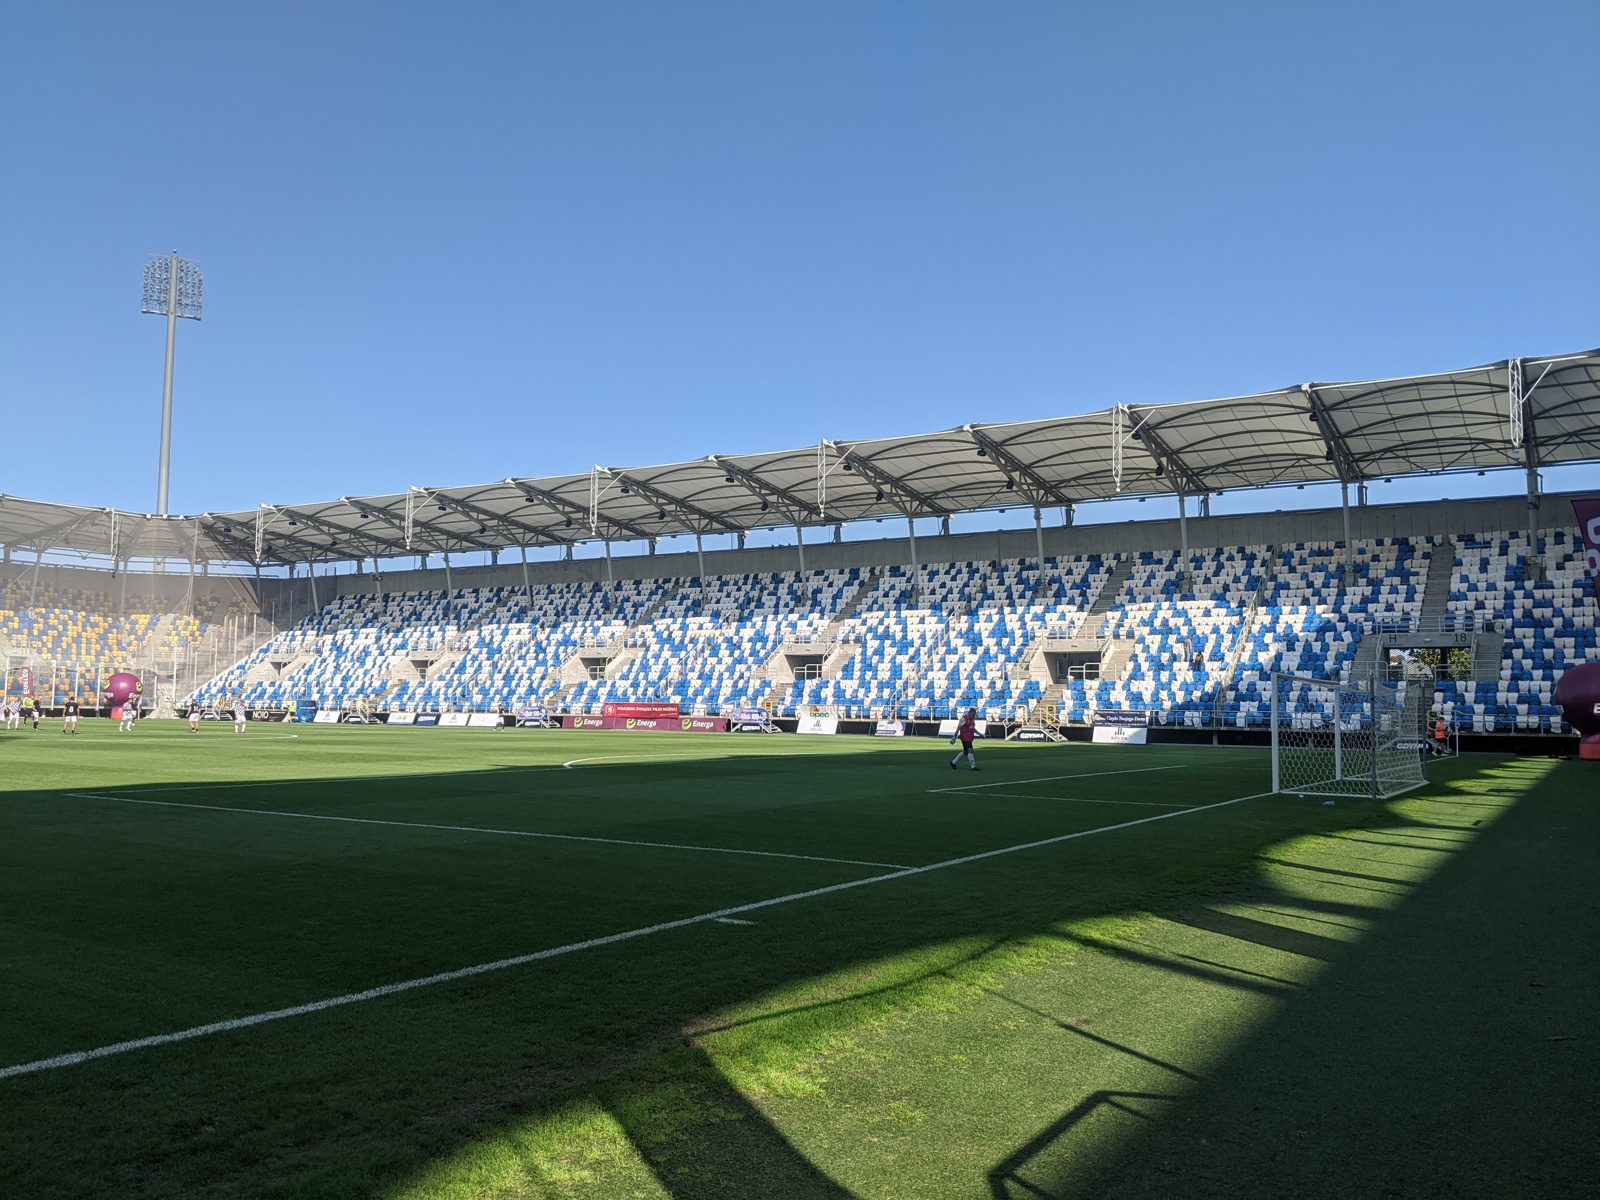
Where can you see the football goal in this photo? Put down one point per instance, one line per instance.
(1362, 737)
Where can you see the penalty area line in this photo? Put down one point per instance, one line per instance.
(720, 916)
(1071, 799)
(559, 837)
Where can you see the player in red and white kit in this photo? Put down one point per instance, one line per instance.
(965, 733)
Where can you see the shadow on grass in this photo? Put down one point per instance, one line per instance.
(1446, 1052)
(363, 1101)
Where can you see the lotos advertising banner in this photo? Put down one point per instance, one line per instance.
(1117, 727)
(649, 724)
(27, 681)
(1588, 511)
(639, 710)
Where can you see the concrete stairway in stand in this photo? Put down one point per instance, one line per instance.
(1436, 588)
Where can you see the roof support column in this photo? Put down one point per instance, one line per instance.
(1038, 537)
(449, 587)
(311, 574)
(194, 550)
(377, 579)
(527, 592)
(33, 596)
(1183, 538)
(700, 557)
(800, 546)
(1344, 504)
(610, 576)
(911, 533)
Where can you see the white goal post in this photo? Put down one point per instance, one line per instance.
(1361, 737)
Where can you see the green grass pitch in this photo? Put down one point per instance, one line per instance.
(1273, 997)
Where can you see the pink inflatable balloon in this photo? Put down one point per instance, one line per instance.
(1578, 696)
(122, 687)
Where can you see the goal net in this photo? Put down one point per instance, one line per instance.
(1361, 737)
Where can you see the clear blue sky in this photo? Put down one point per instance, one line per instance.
(448, 243)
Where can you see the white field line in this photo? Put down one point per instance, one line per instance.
(1079, 800)
(390, 989)
(560, 837)
(973, 787)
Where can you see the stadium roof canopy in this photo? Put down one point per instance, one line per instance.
(1520, 413)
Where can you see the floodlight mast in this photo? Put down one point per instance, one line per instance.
(171, 290)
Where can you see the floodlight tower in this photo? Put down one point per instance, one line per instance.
(171, 290)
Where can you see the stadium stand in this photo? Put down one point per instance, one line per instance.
(1194, 641)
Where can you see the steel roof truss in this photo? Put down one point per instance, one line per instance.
(334, 530)
(572, 508)
(1038, 489)
(1338, 449)
(1182, 476)
(445, 539)
(512, 528)
(691, 512)
(891, 483)
(792, 506)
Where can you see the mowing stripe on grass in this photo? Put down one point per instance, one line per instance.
(1071, 799)
(559, 837)
(973, 787)
(720, 915)
(255, 783)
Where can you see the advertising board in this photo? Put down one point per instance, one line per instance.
(648, 724)
(655, 711)
(531, 714)
(429, 718)
(889, 729)
(454, 720)
(1588, 513)
(818, 718)
(326, 716)
(483, 720)
(1118, 727)
(402, 719)
(947, 727)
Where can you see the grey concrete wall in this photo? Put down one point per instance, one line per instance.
(1266, 528)
(287, 600)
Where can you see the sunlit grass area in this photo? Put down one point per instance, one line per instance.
(1154, 996)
